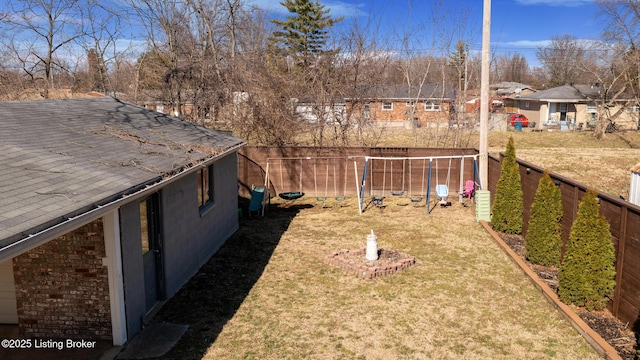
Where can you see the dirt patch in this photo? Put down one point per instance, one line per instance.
(612, 330)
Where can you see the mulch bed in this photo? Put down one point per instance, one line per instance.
(612, 330)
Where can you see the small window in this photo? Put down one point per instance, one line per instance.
(591, 108)
(205, 187)
(144, 227)
(432, 106)
(387, 105)
(410, 103)
(366, 111)
(564, 108)
(526, 104)
(633, 108)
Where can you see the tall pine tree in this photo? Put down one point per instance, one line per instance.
(587, 272)
(303, 35)
(544, 236)
(508, 204)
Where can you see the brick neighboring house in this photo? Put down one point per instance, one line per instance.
(399, 105)
(107, 209)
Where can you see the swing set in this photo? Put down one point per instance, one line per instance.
(296, 167)
(377, 193)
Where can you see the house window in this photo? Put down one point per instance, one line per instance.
(149, 224)
(633, 108)
(144, 227)
(387, 105)
(410, 103)
(563, 107)
(366, 111)
(526, 104)
(432, 106)
(205, 187)
(591, 108)
(160, 108)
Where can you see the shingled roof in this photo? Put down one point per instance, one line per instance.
(565, 93)
(63, 158)
(403, 92)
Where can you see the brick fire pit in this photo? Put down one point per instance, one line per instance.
(354, 262)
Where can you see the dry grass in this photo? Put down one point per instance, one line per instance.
(267, 294)
(463, 299)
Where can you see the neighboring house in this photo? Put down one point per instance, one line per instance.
(573, 105)
(399, 105)
(333, 113)
(502, 94)
(107, 209)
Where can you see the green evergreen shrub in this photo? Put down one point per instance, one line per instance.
(508, 204)
(544, 236)
(587, 272)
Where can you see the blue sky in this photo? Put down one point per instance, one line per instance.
(516, 25)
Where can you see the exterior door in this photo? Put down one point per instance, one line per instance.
(151, 251)
(8, 306)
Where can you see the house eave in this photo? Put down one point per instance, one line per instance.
(31, 239)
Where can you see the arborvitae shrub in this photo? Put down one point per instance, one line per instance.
(587, 272)
(544, 235)
(508, 204)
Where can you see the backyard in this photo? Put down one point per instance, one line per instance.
(270, 294)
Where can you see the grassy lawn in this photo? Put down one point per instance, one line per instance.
(268, 294)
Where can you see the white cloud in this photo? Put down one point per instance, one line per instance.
(523, 43)
(338, 8)
(567, 3)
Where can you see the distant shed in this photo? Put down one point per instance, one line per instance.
(634, 189)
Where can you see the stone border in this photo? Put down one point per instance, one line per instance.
(362, 269)
(601, 346)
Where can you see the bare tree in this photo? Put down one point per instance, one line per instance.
(561, 59)
(511, 67)
(42, 31)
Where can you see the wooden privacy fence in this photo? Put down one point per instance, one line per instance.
(624, 221)
(330, 171)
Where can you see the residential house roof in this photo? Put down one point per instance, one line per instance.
(509, 87)
(565, 93)
(63, 158)
(404, 92)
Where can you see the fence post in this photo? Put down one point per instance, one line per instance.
(622, 241)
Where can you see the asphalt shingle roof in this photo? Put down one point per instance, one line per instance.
(567, 93)
(62, 157)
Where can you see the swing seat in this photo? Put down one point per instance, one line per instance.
(291, 195)
(341, 198)
(469, 189)
(416, 199)
(397, 193)
(377, 201)
(442, 191)
(320, 199)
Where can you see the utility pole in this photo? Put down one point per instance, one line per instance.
(484, 96)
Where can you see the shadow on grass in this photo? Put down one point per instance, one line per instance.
(212, 296)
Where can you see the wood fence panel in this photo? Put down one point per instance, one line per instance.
(624, 221)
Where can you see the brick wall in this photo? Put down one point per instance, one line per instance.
(62, 288)
(399, 112)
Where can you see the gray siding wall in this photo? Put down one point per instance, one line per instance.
(132, 269)
(189, 237)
